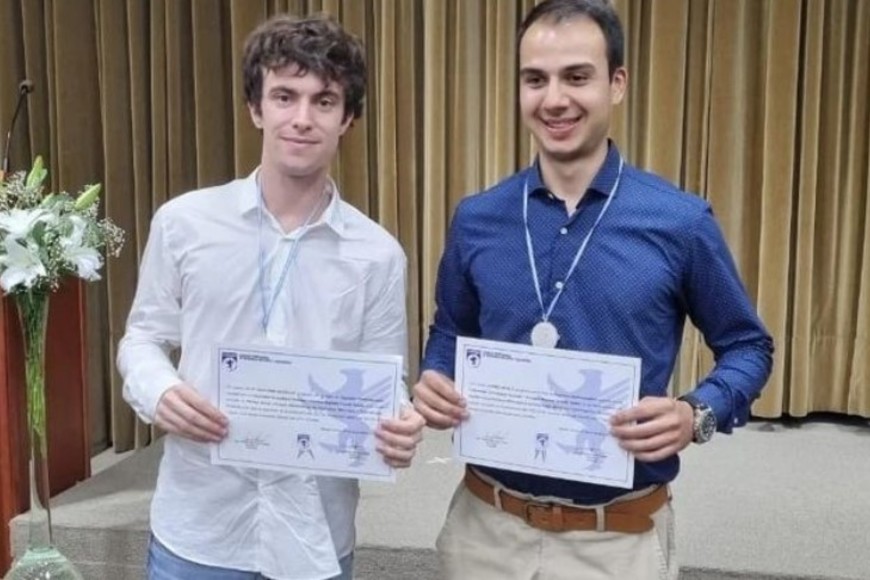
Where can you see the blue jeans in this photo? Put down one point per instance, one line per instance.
(164, 565)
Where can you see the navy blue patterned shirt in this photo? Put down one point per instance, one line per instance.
(657, 256)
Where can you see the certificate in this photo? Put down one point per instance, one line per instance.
(544, 411)
(305, 411)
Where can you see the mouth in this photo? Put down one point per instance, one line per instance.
(560, 127)
(299, 141)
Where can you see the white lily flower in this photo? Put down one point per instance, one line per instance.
(87, 260)
(18, 223)
(78, 231)
(21, 265)
(46, 237)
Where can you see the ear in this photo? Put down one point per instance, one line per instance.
(618, 85)
(256, 115)
(346, 123)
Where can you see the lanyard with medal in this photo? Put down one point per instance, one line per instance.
(544, 333)
(268, 303)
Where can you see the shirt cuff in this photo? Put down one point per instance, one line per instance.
(145, 402)
(728, 407)
(439, 366)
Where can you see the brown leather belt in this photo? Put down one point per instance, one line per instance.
(629, 517)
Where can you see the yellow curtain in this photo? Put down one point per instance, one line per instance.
(761, 106)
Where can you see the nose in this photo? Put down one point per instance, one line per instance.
(555, 97)
(302, 120)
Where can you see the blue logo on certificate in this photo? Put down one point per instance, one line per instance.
(303, 446)
(473, 357)
(229, 360)
(541, 442)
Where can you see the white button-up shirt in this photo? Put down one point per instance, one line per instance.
(199, 285)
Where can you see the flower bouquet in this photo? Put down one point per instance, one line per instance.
(43, 239)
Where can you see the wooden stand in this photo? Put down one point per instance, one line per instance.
(67, 410)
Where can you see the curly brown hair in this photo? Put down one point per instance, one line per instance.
(316, 44)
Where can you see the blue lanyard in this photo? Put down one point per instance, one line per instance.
(545, 313)
(268, 304)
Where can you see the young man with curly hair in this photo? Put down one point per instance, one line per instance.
(274, 258)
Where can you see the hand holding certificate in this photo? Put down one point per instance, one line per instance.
(314, 412)
(545, 411)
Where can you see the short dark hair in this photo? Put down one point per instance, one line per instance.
(316, 44)
(601, 12)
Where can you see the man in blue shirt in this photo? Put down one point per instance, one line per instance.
(584, 252)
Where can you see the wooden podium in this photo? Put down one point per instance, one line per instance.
(67, 409)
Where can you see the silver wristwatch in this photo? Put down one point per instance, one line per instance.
(704, 422)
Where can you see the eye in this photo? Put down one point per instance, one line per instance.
(327, 102)
(283, 98)
(533, 81)
(578, 77)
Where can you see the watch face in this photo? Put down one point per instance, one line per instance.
(706, 425)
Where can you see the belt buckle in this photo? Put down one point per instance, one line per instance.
(547, 508)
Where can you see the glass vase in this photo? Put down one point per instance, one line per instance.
(41, 560)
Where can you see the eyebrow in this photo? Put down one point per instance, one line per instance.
(526, 71)
(574, 68)
(328, 93)
(581, 68)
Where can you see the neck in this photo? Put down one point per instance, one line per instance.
(568, 180)
(292, 199)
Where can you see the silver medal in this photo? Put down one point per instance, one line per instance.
(545, 334)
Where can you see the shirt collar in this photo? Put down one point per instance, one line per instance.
(602, 184)
(333, 216)
(248, 202)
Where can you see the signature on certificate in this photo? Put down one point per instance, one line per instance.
(494, 440)
(252, 442)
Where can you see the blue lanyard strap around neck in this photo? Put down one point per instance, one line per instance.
(268, 303)
(546, 312)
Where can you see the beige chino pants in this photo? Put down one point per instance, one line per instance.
(479, 542)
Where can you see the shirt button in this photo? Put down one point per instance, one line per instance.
(559, 285)
(563, 231)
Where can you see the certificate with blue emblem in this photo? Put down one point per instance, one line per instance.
(545, 411)
(305, 411)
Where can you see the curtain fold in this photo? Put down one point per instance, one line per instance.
(760, 106)
(752, 136)
(828, 341)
